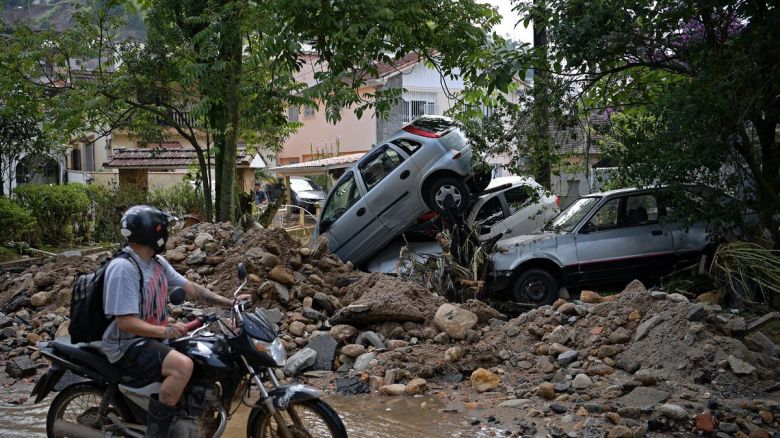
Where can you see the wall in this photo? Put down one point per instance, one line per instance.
(352, 134)
(395, 118)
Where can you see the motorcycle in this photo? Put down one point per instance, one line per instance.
(105, 402)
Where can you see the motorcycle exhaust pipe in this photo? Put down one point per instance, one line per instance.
(67, 428)
(222, 422)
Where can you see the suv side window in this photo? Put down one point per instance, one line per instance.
(641, 210)
(408, 146)
(345, 195)
(491, 213)
(607, 216)
(377, 166)
(518, 197)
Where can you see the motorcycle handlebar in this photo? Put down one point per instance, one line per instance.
(192, 325)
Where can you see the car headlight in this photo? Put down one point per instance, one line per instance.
(274, 349)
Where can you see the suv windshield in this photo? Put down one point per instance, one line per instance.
(303, 185)
(569, 218)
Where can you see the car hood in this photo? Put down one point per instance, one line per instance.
(311, 194)
(524, 240)
(509, 251)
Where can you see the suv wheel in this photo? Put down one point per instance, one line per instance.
(447, 187)
(537, 286)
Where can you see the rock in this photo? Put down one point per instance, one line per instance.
(645, 327)
(645, 377)
(323, 302)
(558, 408)
(272, 315)
(304, 252)
(297, 328)
(728, 427)
(416, 386)
(756, 341)
(363, 362)
(62, 330)
(560, 335)
(395, 344)
(20, 367)
(483, 311)
(546, 390)
(282, 275)
(556, 349)
(300, 361)
(658, 295)
(483, 380)
(620, 336)
(608, 351)
(634, 316)
(581, 381)
(369, 338)
(544, 365)
(312, 314)
(269, 261)
(514, 403)
(42, 280)
(590, 297)
(325, 346)
(673, 411)
(353, 350)
(766, 416)
(567, 357)
(352, 386)
(202, 239)
(620, 432)
(456, 322)
(41, 299)
(453, 354)
(568, 309)
(441, 338)
(696, 313)
(342, 332)
(643, 396)
(599, 369)
(394, 389)
(196, 258)
(709, 298)
(704, 422)
(677, 298)
(739, 366)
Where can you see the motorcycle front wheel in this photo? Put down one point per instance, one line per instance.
(80, 404)
(308, 419)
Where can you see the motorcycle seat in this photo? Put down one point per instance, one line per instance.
(90, 356)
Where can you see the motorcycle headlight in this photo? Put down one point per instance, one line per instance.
(274, 349)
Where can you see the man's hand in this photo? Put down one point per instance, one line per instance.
(174, 331)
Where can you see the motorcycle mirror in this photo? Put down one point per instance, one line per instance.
(241, 271)
(176, 296)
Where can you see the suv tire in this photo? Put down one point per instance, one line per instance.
(537, 286)
(442, 187)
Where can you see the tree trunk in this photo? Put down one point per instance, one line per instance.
(226, 121)
(541, 141)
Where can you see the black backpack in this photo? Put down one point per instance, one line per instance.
(88, 319)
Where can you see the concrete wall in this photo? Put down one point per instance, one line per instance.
(395, 118)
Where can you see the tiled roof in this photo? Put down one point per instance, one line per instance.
(397, 65)
(164, 158)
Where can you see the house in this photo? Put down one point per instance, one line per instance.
(424, 93)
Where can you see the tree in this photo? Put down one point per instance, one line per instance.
(232, 63)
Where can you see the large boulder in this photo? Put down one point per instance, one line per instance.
(325, 346)
(300, 361)
(456, 322)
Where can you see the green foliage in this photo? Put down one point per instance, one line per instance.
(59, 210)
(179, 200)
(16, 222)
(749, 270)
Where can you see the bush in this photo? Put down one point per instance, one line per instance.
(179, 200)
(59, 210)
(16, 222)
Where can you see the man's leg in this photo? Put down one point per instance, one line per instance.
(176, 372)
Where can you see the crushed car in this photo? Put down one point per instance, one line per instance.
(410, 173)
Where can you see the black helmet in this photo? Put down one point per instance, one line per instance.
(147, 226)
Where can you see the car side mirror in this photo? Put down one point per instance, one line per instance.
(241, 271)
(484, 229)
(176, 297)
(325, 225)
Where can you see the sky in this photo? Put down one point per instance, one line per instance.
(507, 26)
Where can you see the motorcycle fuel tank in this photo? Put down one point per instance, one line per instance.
(210, 355)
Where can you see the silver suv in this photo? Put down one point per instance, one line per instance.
(603, 238)
(408, 174)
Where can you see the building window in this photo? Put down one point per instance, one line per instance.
(292, 113)
(89, 157)
(75, 159)
(418, 104)
(308, 112)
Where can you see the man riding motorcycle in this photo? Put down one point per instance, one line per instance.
(132, 340)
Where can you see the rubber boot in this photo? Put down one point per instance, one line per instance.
(159, 419)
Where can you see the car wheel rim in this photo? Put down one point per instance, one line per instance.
(447, 190)
(536, 289)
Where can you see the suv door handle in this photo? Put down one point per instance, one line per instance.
(361, 211)
(405, 174)
(657, 232)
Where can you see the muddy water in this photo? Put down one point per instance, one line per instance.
(364, 416)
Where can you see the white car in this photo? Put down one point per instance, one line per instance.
(510, 206)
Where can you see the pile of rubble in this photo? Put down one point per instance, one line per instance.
(634, 363)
